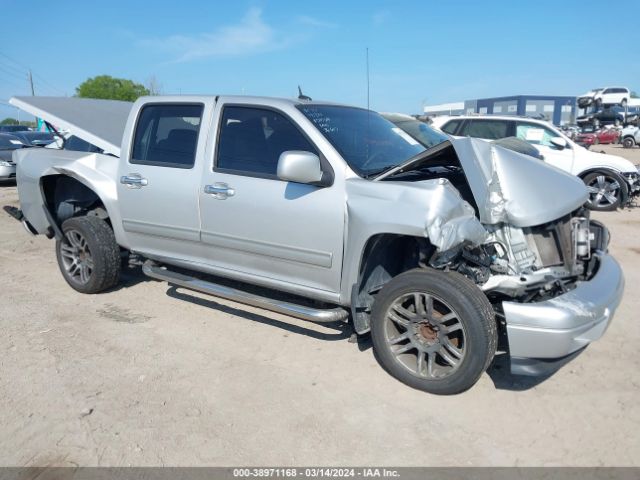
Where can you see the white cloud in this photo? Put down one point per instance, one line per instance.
(379, 17)
(315, 22)
(250, 36)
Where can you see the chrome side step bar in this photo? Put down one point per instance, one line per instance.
(337, 314)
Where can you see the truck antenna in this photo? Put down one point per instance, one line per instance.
(368, 78)
(302, 96)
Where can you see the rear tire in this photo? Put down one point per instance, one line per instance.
(88, 255)
(433, 331)
(628, 142)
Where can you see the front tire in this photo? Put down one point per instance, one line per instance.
(628, 142)
(88, 255)
(433, 331)
(606, 191)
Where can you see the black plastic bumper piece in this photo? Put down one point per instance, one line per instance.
(540, 367)
(14, 212)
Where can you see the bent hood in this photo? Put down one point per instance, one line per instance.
(508, 186)
(100, 122)
(514, 188)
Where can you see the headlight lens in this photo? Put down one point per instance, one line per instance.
(5, 164)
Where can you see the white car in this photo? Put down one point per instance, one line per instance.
(630, 137)
(605, 96)
(611, 180)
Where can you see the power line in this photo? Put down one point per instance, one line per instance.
(26, 71)
(14, 61)
(9, 72)
(12, 68)
(11, 81)
(42, 80)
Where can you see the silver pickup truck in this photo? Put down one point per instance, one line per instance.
(437, 248)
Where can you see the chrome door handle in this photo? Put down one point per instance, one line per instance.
(134, 180)
(219, 191)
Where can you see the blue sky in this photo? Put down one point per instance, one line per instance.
(420, 52)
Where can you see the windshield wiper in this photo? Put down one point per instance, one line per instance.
(379, 171)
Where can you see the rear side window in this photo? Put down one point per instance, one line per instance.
(487, 129)
(252, 139)
(167, 135)
(451, 127)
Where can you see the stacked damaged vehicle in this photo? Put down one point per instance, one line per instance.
(438, 249)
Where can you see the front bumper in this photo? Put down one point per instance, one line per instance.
(633, 181)
(7, 172)
(558, 327)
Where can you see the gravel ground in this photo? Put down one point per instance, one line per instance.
(150, 375)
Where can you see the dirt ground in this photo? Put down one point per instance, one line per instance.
(150, 375)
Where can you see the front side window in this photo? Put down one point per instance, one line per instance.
(367, 142)
(252, 140)
(536, 134)
(167, 135)
(487, 129)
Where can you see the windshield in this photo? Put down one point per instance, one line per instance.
(368, 143)
(422, 132)
(9, 142)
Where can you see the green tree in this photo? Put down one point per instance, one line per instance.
(9, 121)
(107, 87)
(634, 95)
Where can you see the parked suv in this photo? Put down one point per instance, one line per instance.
(611, 180)
(605, 96)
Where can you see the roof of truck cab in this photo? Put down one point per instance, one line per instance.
(103, 122)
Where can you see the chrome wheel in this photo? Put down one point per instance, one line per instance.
(425, 335)
(603, 191)
(76, 257)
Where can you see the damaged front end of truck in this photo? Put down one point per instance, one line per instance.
(540, 260)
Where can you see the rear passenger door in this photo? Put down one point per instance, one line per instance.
(158, 179)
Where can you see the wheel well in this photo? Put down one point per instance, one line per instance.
(597, 169)
(66, 197)
(384, 256)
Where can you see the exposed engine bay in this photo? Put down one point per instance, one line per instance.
(522, 264)
(529, 264)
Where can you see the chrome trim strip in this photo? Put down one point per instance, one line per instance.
(255, 247)
(299, 311)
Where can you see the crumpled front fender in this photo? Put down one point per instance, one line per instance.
(432, 208)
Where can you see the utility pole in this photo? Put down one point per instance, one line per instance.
(33, 94)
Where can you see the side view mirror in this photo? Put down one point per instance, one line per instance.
(559, 142)
(300, 167)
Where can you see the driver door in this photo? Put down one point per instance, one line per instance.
(254, 224)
